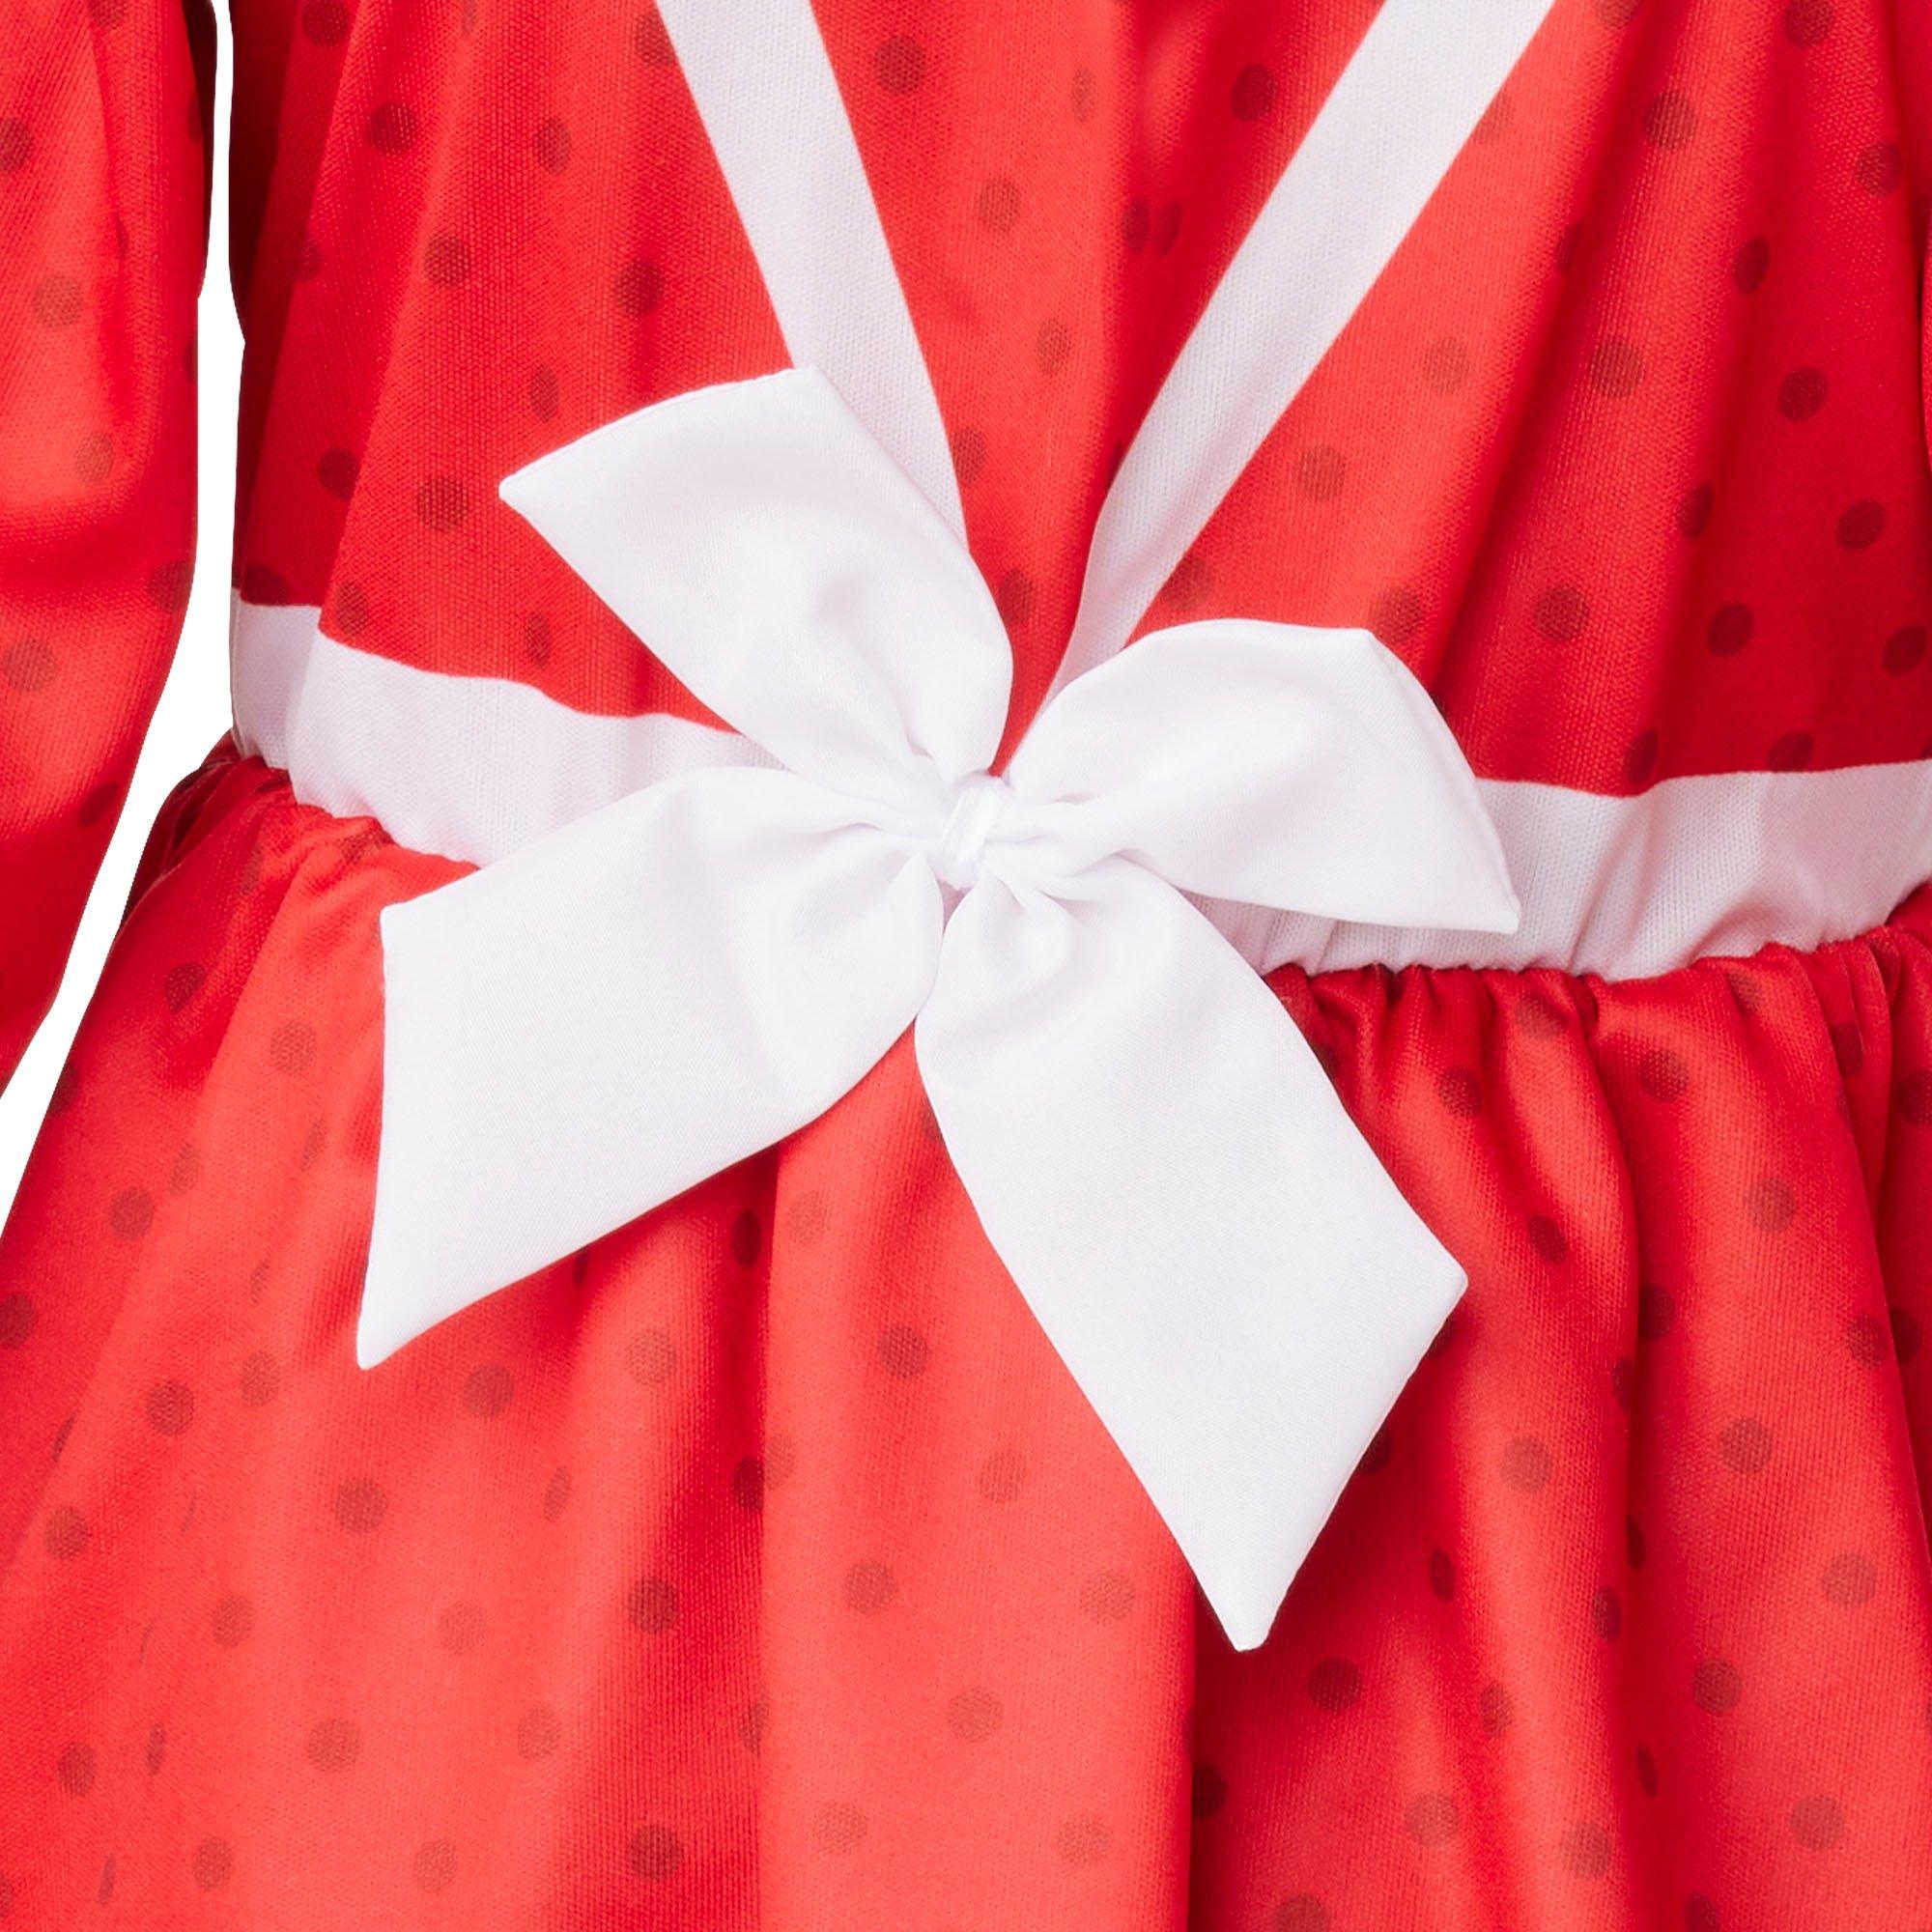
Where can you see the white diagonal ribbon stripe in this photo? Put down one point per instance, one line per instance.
(584, 1030)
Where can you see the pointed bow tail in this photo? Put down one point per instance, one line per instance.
(580, 1032)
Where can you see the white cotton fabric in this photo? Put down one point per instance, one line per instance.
(689, 975)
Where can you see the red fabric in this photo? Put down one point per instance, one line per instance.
(762, 1567)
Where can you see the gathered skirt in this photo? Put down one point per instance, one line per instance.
(762, 1567)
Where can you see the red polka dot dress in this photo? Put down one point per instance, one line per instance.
(765, 1557)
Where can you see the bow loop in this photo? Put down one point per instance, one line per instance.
(1270, 764)
(791, 576)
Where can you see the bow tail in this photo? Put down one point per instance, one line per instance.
(1210, 1245)
(615, 1012)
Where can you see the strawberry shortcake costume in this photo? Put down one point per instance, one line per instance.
(1053, 1046)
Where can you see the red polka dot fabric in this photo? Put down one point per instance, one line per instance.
(760, 1566)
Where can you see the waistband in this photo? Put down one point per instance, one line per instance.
(475, 768)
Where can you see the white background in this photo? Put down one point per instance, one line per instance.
(193, 710)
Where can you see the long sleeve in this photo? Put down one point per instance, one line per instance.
(103, 220)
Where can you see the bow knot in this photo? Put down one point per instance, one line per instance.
(980, 804)
(1151, 1146)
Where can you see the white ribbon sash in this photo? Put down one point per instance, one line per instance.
(685, 977)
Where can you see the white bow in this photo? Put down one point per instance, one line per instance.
(611, 1014)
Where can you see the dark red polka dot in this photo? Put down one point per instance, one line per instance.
(998, 204)
(1548, 1240)
(67, 1533)
(1587, 1850)
(650, 41)
(974, 1716)
(1770, 1203)
(1015, 596)
(349, 609)
(1207, 1796)
(1433, 1818)
(1669, 120)
(1616, 367)
(58, 301)
(1496, 1710)
(1750, 265)
(1562, 611)
(654, 1604)
(442, 502)
(1715, 1687)
(1915, 1098)
(131, 1213)
(1253, 95)
(1862, 523)
(1807, 22)
(460, 1627)
(1320, 471)
(1084, 1840)
(16, 143)
(1879, 168)
(651, 1357)
(1656, 1312)
(1003, 1474)
(1849, 1579)
(1699, 1913)
(1445, 365)
(1803, 394)
(1791, 752)
(1052, 345)
(333, 1745)
(550, 144)
(393, 127)
(93, 458)
(1301, 1913)
(1729, 630)
(1396, 615)
(1107, 1596)
(969, 455)
(899, 63)
(1905, 649)
(360, 1505)
(434, 1866)
(1334, 1684)
(557, 1494)
(903, 1352)
(488, 1389)
(1442, 1576)
(1693, 510)
(28, 665)
(841, 1828)
(212, 1863)
(17, 1319)
(638, 288)
(655, 1853)
(1526, 1463)
(1607, 1613)
(445, 261)
(539, 1732)
(1817, 1823)
(76, 1769)
(1459, 1093)
(170, 1407)
(1745, 1445)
